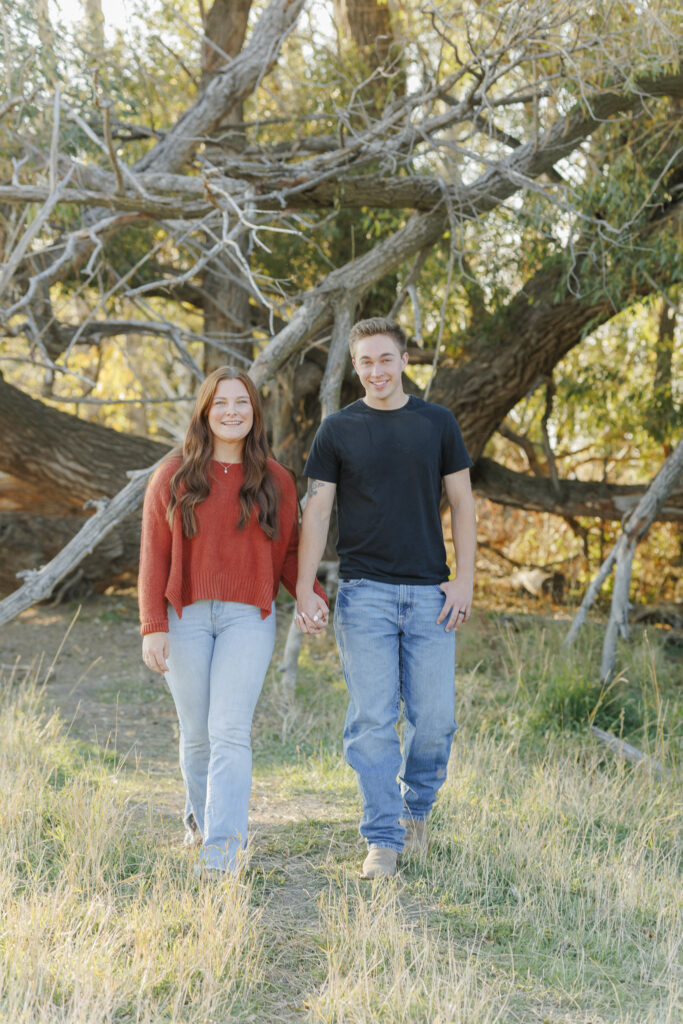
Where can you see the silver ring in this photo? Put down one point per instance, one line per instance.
(462, 611)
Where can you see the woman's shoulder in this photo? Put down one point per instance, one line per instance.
(163, 473)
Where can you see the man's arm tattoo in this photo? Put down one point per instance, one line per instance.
(314, 486)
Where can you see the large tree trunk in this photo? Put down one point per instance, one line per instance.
(29, 541)
(66, 457)
(532, 335)
(226, 304)
(592, 498)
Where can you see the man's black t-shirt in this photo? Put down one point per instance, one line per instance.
(388, 467)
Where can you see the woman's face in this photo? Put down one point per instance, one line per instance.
(231, 415)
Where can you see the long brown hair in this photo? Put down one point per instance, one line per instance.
(190, 483)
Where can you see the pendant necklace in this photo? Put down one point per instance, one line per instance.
(225, 465)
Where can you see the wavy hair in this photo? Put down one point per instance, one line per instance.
(190, 483)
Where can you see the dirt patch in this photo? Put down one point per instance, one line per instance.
(87, 657)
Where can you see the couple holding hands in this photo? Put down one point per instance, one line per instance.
(221, 532)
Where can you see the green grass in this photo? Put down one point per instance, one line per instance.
(551, 892)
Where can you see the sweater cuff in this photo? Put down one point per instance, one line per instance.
(154, 626)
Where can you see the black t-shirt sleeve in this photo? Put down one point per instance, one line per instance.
(323, 461)
(454, 454)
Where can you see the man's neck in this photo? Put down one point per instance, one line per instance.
(396, 401)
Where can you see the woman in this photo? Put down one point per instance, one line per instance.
(219, 534)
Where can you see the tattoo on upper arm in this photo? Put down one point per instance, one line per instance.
(314, 486)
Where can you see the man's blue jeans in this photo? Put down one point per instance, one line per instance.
(393, 653)
(219, 656)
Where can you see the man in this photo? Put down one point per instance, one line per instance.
(385, 458)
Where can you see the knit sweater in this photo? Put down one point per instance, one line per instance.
(220, 562)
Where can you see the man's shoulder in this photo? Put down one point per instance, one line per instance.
(439, 413)
(347, 413)
(342, 418)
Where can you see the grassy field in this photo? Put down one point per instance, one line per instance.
(551, 892)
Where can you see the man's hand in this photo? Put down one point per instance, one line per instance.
(155, 652)
(311, 611)
(312, 614)
(458, 604)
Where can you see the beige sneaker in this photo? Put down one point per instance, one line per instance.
(417, 836)
(193, 836)
(379, 863)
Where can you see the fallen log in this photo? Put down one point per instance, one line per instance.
(40, 583)
(625, 750)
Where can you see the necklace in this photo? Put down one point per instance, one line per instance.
(225, 466)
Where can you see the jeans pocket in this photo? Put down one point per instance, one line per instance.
(349, 584)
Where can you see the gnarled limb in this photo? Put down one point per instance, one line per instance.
(41, 582)
(635, 529)
(592, 498)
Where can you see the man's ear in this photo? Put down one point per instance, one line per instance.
(404, 360)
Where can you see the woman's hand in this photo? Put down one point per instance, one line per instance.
(155, 652)
(312, 613)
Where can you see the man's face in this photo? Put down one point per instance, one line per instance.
(379, 364)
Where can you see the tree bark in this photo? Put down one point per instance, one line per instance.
(521, 344)
(226, 309)
(29, 541)
(64, 456)
(229, 87)
(224, 32)
(635, 530)
(592, 498)
(40, 583)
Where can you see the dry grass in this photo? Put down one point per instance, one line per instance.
(551, 891)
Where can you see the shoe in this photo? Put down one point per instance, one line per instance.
(417, 836)
(205, 873)
(379, 863)
(193, 836)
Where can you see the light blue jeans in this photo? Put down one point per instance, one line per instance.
(394, 656)
(219, 656)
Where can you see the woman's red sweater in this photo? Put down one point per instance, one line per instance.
(220, 562)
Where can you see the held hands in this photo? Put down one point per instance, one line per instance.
(458, 603)
(155, 652)
(312, 614)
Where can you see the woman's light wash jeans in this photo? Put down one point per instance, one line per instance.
(219, 656)
(393, 653)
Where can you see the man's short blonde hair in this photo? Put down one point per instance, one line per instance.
(378, 325)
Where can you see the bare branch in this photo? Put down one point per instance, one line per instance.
(239, 79)
(41, 582)
(32, 232)
(547, 447)
(626, 750)
(636, 526)
(337, 357)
